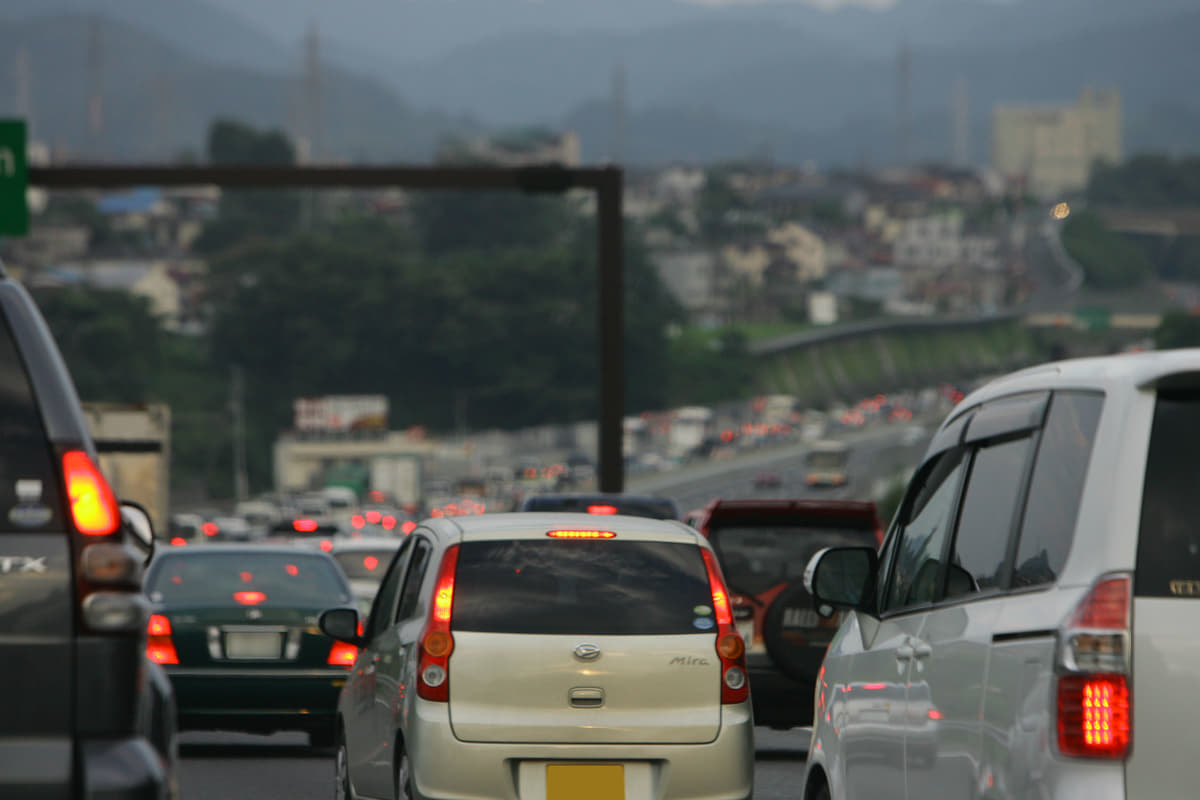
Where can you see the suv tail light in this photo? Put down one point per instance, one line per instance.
(437, 643)
(93, 506)
(735, 686)
(1093, 705)
(159, 647)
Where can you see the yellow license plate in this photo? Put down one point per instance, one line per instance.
(585, 782)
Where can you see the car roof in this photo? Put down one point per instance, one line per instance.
(366, 543)
(790, 508)
(535, 525)
(1120, 372)
(237, 548)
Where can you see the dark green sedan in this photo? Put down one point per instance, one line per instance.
(235, 628)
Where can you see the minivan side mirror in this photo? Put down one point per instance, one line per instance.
(341, 624)
(841, 577)
(137, 522)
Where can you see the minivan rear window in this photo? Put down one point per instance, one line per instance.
(609, 587)
(1168, 562)
(756, 558)
(30, 499)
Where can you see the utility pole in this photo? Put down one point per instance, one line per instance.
(237, 408)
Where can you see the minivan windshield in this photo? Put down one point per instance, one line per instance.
(587, 587)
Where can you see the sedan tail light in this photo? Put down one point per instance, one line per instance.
(159, 647)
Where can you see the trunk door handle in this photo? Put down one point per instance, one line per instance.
(586, 697)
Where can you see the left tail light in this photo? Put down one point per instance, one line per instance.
(342, 654)
(735, 685)
(160, 648)
(437, 643)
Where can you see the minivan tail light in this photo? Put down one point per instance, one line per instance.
(1093, 705)
(735, 688)
(93, 505)
(437, 643)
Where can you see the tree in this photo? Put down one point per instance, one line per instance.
(1177, 329)
(1109, 260)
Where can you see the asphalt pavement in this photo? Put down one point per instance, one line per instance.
(229, 766)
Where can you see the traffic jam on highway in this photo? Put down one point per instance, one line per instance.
(649, 644)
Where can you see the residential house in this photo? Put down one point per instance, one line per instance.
(149, 279)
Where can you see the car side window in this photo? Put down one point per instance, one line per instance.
(928, 519)
(1056, 487)
(411, 594)
(985, 523)
(389, 592)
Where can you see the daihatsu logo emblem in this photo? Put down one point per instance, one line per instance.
(587, 652)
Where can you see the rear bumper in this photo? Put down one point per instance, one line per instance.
(445, 768)
(259, 701)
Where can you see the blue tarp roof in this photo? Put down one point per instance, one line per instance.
(134, 201)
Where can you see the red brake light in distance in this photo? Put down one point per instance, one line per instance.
(735, 686)
(370, 562)
(93, 505)
(178, 541)
(249, 598)
(437, 643)
(408, 527)
(326, 545)
(373, 517)
(342, 654)
(601, 509)
(357, 521)
(159, 647)
(581, 534)
(304, 525)
(210, 528)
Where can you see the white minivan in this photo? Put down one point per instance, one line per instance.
(1029, 628)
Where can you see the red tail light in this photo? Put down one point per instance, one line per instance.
(389, 522)
(326, 545)
(437, 643)
(210, 528)
(249, 598)
(342, 654)
(735, 685)
(1095, 718)
(370, 562)
(601, 509)
(408, 527)
(304, 525)
(159, 647)
(178, 541)
(373, 517)
(93, 506)
(357, 521)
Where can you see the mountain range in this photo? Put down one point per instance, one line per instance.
(704, 80)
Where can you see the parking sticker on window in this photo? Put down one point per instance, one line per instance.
(701, 611)
(703, 623)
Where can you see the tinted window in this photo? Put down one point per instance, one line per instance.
(917, 562)
(581, 587)
(985, 522)
(651, 507)
(274, 579)
(29, 495)
(1168, 562)
(412, 584)
(389, 593)
(365, 564)
(756, 558)
(1054, 492)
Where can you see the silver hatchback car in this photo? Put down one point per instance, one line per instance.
(544, 656)
(1030, 627)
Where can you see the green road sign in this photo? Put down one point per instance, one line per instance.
(14, 213)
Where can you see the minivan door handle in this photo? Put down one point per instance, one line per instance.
(586, 697)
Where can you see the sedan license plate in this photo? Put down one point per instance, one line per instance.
(253, 645)
(585, 782)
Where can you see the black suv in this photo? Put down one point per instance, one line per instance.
(86, 714)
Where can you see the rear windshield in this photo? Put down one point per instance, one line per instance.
(827, 459)
(29, 497)
(596, 588)
(261, 579)
(1168, 562)
(651, 507)
(757, 558)
(365, 564)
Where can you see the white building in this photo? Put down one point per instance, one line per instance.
(929, 243)
(1051, 149)
(690, 275)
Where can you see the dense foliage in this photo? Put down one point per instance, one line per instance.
(1146, 181)
(1109, 260)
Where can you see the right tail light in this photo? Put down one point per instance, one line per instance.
(1093, 705)
(735, 685)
